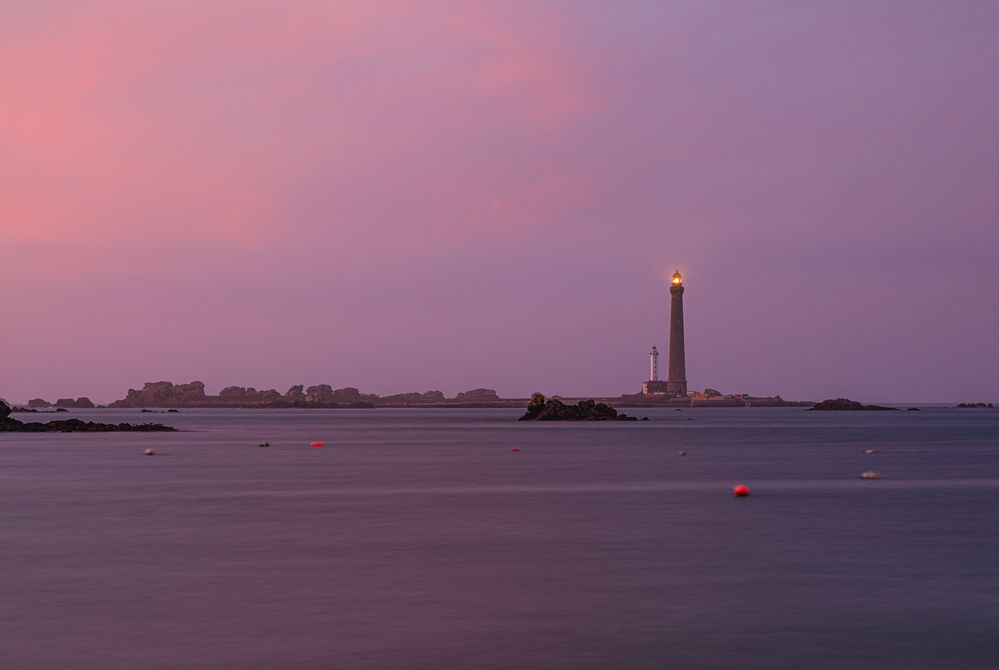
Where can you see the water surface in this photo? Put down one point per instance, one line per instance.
(418, 539)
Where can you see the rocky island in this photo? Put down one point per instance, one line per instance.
(10, 425)
(847, 405)
(540, 409)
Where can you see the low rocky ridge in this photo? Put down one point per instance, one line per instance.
(540, 409)
(847, 405)
(9, 425)
(168, 394)
(975, 405)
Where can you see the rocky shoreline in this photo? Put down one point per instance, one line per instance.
(164, 394)
(10, 425)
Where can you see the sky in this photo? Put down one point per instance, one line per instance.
(451, 195)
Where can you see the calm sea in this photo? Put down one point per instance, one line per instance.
(419, 539)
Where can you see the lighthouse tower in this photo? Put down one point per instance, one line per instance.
(676, 383)
(654, 386)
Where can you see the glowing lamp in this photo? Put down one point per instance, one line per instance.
(677, 278)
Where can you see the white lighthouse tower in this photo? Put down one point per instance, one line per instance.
(654, 386)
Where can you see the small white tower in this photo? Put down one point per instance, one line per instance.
(654, 364)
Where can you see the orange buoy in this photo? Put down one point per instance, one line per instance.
(740, 490)
(317, 444)
(515, 449)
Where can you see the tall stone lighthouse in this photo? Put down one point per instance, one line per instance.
(676, 383)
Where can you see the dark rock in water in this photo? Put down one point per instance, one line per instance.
(539, 409)
(79, 403)
(24, 409)
(8, 424)
(173, 411)
(975, 405)
(61, 409)
(844, 404)
(913, 409)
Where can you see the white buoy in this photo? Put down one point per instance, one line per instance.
(870, 474)
(868, 451)
(150, 452)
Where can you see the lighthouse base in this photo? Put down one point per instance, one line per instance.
(655, 387)
(677, 389)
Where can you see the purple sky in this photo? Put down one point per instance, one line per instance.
(406, 196)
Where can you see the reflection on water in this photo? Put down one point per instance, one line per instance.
(418, 539)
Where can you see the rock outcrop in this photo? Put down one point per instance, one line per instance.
(845, 404)
(79, 403)
(162, 394)
(10, 425)
(539, 409)
(477, 395)
(414, 398)
(295, 395)
(39, 403)
(975, 405)
(250, 394)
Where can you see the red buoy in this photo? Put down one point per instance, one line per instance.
(681, 453)
(740, 490)
(317, 444)
(515, 449)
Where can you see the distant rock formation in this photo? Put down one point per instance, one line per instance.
(539, 409)
(39, 403)
(844, 404)
(975, 405)
(8, 424)
(414, 398)
(295, 395)
(240, 394)
(160, 394)
(79, 403)
(477, 395)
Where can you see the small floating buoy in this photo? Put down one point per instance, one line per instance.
(515, 449)
(868, 451)
(870, 474)
(681, 453)
(264, 444)
(150, 452)
(740, 490)
(774, 430)
(317, 444)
